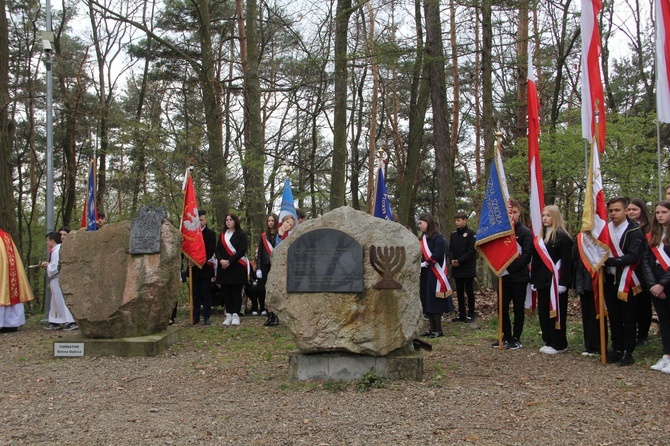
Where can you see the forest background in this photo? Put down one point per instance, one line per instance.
(250, 92)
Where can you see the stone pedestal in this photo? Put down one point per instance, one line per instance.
(149, 345)
(402, 364)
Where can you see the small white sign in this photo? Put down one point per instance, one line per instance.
(68, 349)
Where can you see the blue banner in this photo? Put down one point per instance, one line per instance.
(91, 207)
(494, 221)
(287, 205)
(382, 204)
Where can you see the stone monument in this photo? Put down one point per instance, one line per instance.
(349, 310)
(113, 293)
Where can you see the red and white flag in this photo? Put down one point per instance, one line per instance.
(663, 60)
(592, 87)
(193, 244)
(535, 172)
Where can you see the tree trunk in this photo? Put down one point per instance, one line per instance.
(417, 113)
(7, 205)
(338, 168)
(254, 159)
(444, 158)
(521, 129)
(487, 85)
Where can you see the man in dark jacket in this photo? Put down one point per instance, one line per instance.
(621, 281)
(515, 282)
(202, 277)
(463, 258)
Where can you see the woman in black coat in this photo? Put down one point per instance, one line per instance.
(558, 253)
(233, 271)
(433, 247)
(656, 271)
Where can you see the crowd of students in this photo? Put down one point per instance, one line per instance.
(636, 273)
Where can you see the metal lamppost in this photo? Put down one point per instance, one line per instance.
(47, 41)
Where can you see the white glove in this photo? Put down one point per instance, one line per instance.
(259, 273)
(532, 287)
(424, 264)
(562, 289)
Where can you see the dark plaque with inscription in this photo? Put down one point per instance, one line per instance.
(325, 260)
(145, 230)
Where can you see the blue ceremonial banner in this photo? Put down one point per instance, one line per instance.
(382, 204)
(91, 207)
(287, 205)
(495, 237)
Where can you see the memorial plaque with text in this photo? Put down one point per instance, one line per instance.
(325, 260)
(145, 230)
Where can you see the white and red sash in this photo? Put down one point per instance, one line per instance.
(230, 249)
(629, 280)
(440, 272)
(659, 253)
(266, 243)
(555, 270)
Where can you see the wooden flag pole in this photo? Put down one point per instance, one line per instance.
(601, 312)
(500, 314)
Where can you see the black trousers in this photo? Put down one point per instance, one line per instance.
(202, 296)
(622, 315)
(663, 311)
(232, 297)
(644, 314)
(463, 287)
(590, 323)
(551, 335)
(514, 292)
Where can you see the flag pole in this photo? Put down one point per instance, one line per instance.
(190, 293)
(601, 312)
(658, 154)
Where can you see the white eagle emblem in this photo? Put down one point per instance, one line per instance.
(192, 222)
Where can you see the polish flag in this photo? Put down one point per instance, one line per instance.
(535, 171)
(592, 86)
(662, 60)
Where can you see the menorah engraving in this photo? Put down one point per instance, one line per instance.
(387, 261)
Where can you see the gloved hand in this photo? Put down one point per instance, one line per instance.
(532, 287)
(562, 289)
(424, 264)
(259, 273)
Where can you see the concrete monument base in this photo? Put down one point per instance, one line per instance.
(402, 364)
(149, 345)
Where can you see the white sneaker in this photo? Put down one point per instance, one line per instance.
(264, 313)
(550, 350)
(661, 364)
(236, 319)
(666, 369)
(229, 319)
(254, 313)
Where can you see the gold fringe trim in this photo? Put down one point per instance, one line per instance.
(622, 296)
(552, 314)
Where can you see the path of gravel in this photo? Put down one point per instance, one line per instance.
(229, 386)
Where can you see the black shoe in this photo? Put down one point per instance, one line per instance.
(469, 320)
(274, 321)
(436, 334)
(9, 329)
(458, 319)
(614, 356)
(496, 344)
(208, 322)
(626, 359)
(268, 322)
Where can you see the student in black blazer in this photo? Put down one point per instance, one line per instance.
(233, 271)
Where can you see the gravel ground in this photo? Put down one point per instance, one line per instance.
(229, 386)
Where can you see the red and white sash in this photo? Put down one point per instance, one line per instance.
(555, 270)
(268, 246)
(629, 279)
(440, 272)
(230, 249)
(661, 257)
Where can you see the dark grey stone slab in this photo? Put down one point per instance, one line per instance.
(325, 260)
(145, 230)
